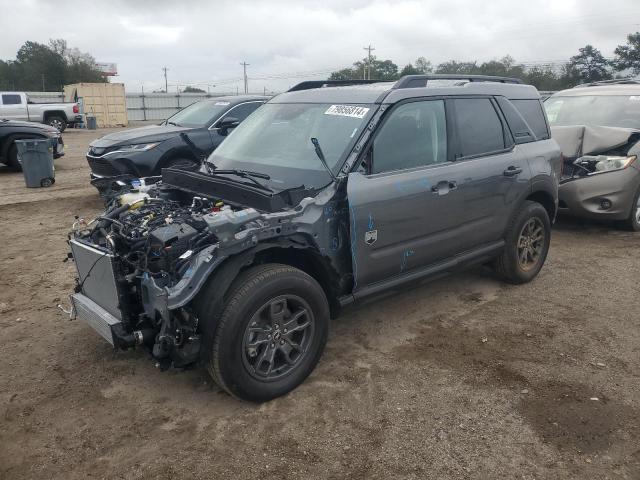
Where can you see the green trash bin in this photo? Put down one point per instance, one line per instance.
(36, 159)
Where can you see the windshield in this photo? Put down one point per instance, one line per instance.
(199, 114)
(606, 110)
(276, 140)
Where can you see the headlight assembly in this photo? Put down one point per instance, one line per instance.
(139, 147)
(604, 163)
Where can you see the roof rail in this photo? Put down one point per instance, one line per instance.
(417, 81)
(309, 84)
(615, 81)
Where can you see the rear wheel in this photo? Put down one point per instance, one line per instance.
(527, 244)
(57, 122)
(270, 334)
(633, 222)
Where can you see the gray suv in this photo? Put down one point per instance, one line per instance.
(326, 195)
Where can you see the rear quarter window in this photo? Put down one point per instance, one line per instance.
(532, 112)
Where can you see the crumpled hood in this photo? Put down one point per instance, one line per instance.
(149, 134)
(578, 140)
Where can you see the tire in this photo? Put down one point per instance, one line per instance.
(246, 351)
(12, 158)
(182, 163)
(57, 122)
(633, 222)
(526, 246)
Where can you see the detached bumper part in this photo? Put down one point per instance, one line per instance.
(97, 317)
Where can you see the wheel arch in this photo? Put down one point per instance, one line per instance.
(54, 113)
(304, 259)
(545, 199)
(7, 142)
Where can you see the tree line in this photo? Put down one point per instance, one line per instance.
(40, 67)
(588, 65)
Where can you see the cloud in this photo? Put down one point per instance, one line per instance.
(204, 42)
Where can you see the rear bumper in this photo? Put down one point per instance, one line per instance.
(584, 197)
(96, 317)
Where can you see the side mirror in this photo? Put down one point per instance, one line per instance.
(227, 124)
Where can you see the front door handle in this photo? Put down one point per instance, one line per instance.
(444, 187)
(512, 171)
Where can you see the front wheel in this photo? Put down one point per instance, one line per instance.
(270, 334)
(527, 244)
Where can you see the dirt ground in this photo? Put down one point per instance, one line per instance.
(463, 378)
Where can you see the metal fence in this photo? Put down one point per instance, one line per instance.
(142, 106)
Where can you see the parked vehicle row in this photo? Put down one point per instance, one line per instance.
(17, 106)
(324, 196)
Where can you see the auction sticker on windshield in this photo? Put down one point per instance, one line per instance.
(347, 111)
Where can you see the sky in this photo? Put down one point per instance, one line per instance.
(202, 43)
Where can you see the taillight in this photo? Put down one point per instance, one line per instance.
(76, 109)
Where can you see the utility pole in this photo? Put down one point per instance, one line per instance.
(246, 83)
(166, 85)
(369, 49)
(43, 83)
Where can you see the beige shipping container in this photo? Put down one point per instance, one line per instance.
(105, 101)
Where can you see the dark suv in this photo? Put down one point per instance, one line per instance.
(324, 196)
(142, 152)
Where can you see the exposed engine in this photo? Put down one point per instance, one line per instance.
(152, 239)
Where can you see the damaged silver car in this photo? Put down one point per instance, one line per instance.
(598, 129)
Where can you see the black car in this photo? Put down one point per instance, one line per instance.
(144, 151)
(12, 130)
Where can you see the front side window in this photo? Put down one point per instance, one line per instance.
(8, 99)
(604, 110)
(414, 135)
(478, 126)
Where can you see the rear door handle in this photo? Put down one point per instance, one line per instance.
(512, 171)
(444, 187)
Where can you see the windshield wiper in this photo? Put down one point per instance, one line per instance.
(173, 123)
(248, 174)
(318, 149)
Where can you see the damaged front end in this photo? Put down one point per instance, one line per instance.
(141, 264)
(600, 171)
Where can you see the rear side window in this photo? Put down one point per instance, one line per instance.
(8, 99)
(414, 135)
(478, 126)
(531, 111)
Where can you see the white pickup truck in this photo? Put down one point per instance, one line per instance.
(17, 106)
